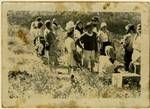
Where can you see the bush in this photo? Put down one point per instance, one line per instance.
(116, 20)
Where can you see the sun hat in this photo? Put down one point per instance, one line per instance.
(130, 27)
(127, 27)
(103, 24)
(88, 24)
(69, 25)
(47, 22)
(38, 18)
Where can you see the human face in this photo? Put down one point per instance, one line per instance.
(89, 29)
(104, 28)
(80, 25)
(95, 22)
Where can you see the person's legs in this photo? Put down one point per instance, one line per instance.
(103, 48)
(92, 60)
(127, 59)
(86, 58)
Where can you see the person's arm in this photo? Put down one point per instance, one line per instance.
(96, 44)
(80, 40)
(73, 46)
(46, 37)
(109, 36)
(77, 34)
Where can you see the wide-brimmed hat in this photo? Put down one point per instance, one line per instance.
(38, 18)
(47, 22)
(38, 24)
(128, 27)
(103, 24)
(88, 25)
(109, 51)
(70, 25)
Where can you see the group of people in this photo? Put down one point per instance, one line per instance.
(132, 46)
(87, 45)
(45, 39)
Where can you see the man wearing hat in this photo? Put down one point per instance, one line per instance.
(127, 43)
(95, 23)
(89, 41)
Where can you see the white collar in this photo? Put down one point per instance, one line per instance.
(89, 34)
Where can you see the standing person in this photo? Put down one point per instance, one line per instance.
(70, 46)
(127, 43)
(137, 48)
(59, 41)
(50, 43)
(95, 23)
(54, 26)
(89, 41)
(78, 31)
(104, 37)
(34, 26)
(39, 41)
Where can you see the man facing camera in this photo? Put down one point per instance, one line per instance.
(89, 41)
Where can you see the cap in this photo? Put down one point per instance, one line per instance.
(95, 18)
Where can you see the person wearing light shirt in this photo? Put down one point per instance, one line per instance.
(104, 38)
(136, 56)
(78, 31)
(89, 41)
(34, 27)
(107, 63)
(70, 47)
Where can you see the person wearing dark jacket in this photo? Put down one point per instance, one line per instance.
(89, 41)
(50, 44)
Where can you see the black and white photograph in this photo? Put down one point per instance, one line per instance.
(72, 54)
